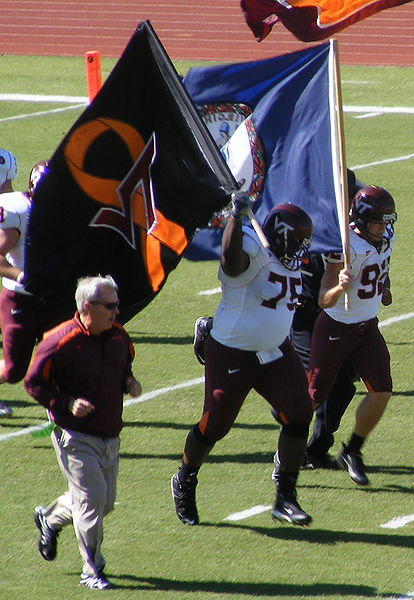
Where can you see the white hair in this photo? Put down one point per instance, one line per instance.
(88, 288)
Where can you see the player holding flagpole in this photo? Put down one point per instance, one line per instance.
(340, 334)
(249, 348)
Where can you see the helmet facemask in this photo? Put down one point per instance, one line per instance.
(374, 205)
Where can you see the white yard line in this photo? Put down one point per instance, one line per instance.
(398, 522)
(42, 98)
(166, 390)
(209, 292)
(76, 99)
(383, 162)
(130, 402)
(249, 512)
(41, 113)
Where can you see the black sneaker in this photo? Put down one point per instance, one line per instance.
(320, 462)
(201, 333)
(47, 543)
(5, 411)
(287, 508)
(352, 462)
(184, 499)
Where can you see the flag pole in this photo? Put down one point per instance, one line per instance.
(342, 161)
(259, 231)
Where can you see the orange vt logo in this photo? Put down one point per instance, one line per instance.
(128, 202)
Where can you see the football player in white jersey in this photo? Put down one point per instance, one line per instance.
(249, 348)
(340, 333)
(8, 173)
(23, 317)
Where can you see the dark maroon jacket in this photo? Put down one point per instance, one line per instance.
(71, 363)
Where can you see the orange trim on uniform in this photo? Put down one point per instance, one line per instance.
(46, 369)
(73, 333)
(203, 422)
(56, 328)
(369, 387)
(283, 418)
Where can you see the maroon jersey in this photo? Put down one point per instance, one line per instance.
(72, 363)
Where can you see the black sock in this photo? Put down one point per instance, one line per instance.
(287, 483)
(186, 472)
(355, 443)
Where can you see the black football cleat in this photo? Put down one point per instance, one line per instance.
(184, 499)
(352, 462)
(287, 508)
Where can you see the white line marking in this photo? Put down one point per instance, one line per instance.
(42, 98)
(162, 391)
(398, 522)
(209, 292)
(130, 402)
(368, 115)
(166, 390)
(76, 99)
(406, 596)
(41, 113)
(393, 320)
(390, 110)
(383, 162)
(249, 512)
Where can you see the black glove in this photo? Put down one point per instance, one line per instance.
(240, 204)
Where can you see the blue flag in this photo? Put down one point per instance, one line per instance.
(275, 122)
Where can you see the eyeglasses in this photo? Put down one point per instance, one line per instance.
(107, 305)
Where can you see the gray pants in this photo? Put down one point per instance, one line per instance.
(90, 467)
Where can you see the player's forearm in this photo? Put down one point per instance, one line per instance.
(233, 259)
(8, 270)
(329, 297)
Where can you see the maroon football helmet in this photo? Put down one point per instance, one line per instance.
(373, 204)
(39, 169)
(288, 229)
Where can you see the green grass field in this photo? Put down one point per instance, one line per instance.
(345, 553)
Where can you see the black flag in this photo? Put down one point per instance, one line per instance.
(131, 182)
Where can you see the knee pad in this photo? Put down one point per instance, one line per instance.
(296, 430)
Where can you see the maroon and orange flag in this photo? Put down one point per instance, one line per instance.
(310, 20)
(133, 179)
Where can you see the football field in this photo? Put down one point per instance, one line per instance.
(360, 543)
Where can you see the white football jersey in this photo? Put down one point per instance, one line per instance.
(369, 269)
(257, 307)
(14, 213)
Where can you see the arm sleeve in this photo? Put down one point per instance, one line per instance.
(39, 380)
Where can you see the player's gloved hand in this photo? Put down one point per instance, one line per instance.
(240, 205)
(386, 297)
